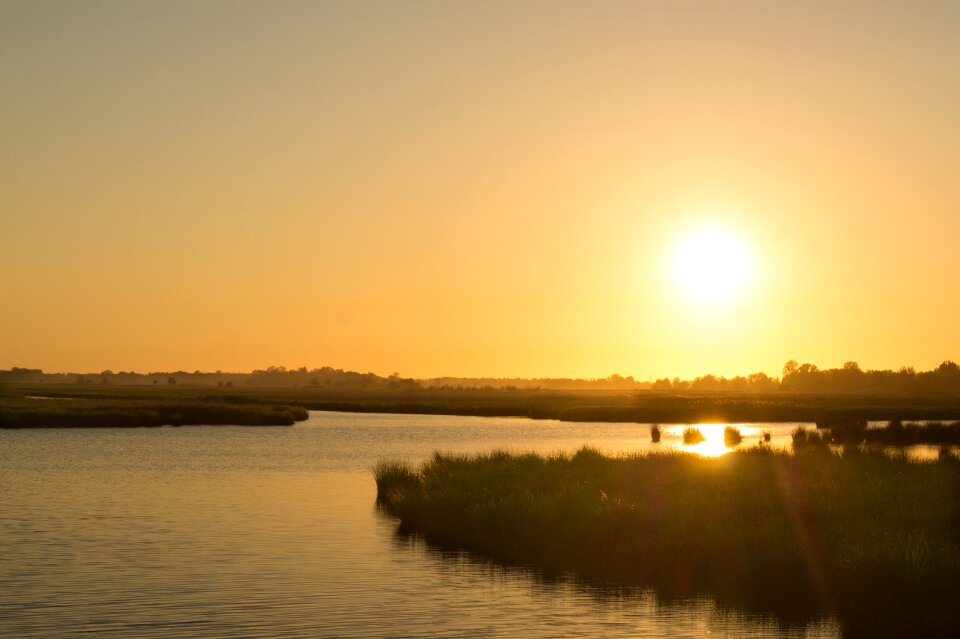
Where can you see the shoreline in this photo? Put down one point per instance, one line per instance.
(641, 407)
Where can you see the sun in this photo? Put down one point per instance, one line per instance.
(711, 265)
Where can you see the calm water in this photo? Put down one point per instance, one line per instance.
(272, 532)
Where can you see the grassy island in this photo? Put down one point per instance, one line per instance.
(18, 411)
(871, 538)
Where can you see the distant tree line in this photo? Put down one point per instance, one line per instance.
(328, 377)
(848, 379)
(613, 382)
(21, 376)
(807, 378)
(274, 376)
(756, 383)
(796, 378)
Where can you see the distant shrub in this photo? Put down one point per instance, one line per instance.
(655, 433)
(848, 432)
(692, 435)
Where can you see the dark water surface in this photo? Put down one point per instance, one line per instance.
(273, 532)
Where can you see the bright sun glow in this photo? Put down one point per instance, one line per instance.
(713, 444)
(711, 265)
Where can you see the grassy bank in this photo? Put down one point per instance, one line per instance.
(601, 406)
(873, 539)
(17, 411)
(895, 433)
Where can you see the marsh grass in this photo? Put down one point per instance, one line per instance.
(17, 411)
(732, 436)
(395, 476)
(687, 407)
(895, 433)
(692, 435)
(871, 538)
(805, 437)
(899, 434)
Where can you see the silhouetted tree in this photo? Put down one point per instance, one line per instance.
(790, 368)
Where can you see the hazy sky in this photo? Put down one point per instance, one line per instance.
(472, 188)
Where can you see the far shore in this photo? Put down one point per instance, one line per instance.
(30, 410)
(118, 405)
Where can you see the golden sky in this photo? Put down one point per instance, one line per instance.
(465, 188)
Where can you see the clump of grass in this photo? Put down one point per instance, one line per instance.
(390, 475)
(732, 436)
(766, 436)
(867, 537)
(692, 435)
(847, 432)
(655, 433)
(394, 478)
(803, 438)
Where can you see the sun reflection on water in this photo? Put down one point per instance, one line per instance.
(713, 444)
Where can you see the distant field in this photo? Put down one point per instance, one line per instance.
(601, 406)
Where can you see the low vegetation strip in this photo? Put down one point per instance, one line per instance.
(23, 412)
(871, 538)
(895, 433)
(600, 406)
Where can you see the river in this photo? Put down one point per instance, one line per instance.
(273, 532)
